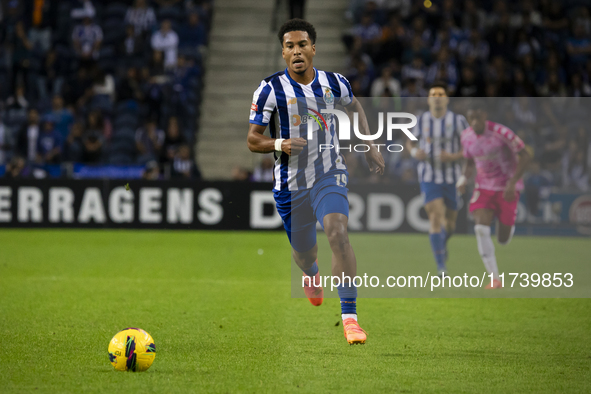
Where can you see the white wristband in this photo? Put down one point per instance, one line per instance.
(278, 143)
(461, 181)
(413, 151)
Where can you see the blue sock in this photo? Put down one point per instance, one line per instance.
(348, 295)
(438, 247)
(313, 270)
(444, 234)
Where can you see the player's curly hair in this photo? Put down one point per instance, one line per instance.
(297, 25)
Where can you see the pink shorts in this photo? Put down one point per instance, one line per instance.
(505, 211)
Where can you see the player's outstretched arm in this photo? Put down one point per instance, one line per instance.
(374, 158)
(447, 157)
(259, 143)
(467, 173)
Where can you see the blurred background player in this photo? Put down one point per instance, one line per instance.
(439, 151)
(500, 160)
(310, 185)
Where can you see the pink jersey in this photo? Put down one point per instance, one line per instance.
(495, 155)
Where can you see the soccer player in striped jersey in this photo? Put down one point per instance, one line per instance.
(440, 152)
(309, 182)
(499, 157)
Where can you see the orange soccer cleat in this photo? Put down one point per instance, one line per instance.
(354, 334)
(315, 294)
(495, 284)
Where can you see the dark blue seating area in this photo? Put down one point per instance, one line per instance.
(99, 72)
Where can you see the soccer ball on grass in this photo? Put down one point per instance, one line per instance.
(132, 349)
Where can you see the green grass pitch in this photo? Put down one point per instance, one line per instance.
(223, 320)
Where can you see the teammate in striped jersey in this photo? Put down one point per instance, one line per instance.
(310, 184)
(499, 157)
(439, 151)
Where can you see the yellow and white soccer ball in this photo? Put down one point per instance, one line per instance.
(132, 349)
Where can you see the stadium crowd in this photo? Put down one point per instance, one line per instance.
(110, 82)
(534, 56)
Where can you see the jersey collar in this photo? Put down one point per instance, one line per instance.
(310, 84)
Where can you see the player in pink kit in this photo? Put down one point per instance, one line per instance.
(500, 160)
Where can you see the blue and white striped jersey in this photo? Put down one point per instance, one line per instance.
(286, 106)
(435, 135)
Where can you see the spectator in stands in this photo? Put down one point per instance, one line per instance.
(17, 168)
(368, 32)
(499, 74)
(8, 25)
(391, 41)
(444, 69)
(420, 30)
(526, 46)
(554, 20)
(537, 185)
(193, 34)
(413, 89)
(51, 76)
(385, 81)
(74, 144)
(28, 136)
(141, 17)
(240, 174)
(415, 70)
(104, 85)
(578, 47)
(416, 49)
(49, 143)
(444, 40)
(264, 171)
(172, 141)
(472, 17)
(148, 141)
(574, 168)
(94, 137)
(183, 166)
(578, 88)
(18, 101)
(5, 145)
(130, 87)
(475, 47)
(132, 47)
(84, 9)
(500, 44)
(77, 86)
(525, 114)
(553, 87)
(167, 41)
(21, 55)
(62, 116)
(553, 65)
(41, 15)
(87, 39)
(470, 85)
(553, 147)
(152, 171)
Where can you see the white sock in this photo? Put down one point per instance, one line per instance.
(510, 236)
(349, 315)
(486, 248)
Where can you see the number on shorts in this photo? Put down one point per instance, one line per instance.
(341, 178)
